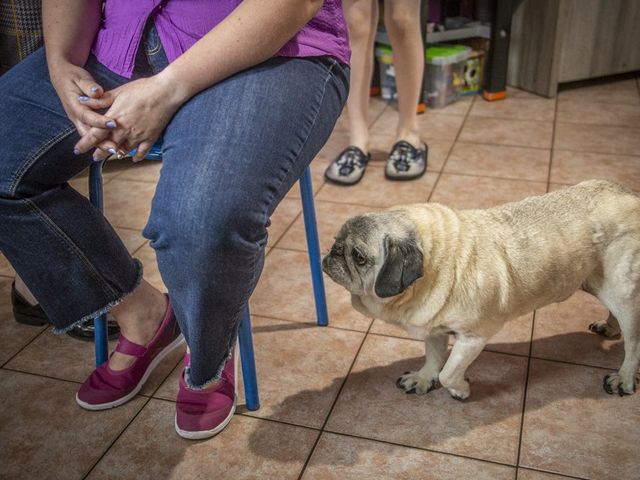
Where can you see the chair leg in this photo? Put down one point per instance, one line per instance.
(99, 323)
(313, 245)
(249, 376)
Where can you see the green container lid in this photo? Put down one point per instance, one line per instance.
(447, 54)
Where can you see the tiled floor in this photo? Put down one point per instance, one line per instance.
(330, 409)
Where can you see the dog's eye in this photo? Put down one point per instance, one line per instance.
(358, 257)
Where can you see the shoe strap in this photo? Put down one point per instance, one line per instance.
(128, 347)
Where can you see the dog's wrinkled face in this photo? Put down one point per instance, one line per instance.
(375, 254)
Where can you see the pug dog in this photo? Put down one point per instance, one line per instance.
(437, 271)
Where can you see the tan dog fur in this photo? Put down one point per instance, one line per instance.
(482, 268)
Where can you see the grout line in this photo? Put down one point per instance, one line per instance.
(335, 401)
(524, 393)
(24, 346)
(124, 429)
(559, 475)
(41, 376)
(553, 142)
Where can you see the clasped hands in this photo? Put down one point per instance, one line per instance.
(114, 122)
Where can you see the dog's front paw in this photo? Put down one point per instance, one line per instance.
(459, 391)
(414, 382)
(604, 329)
(615, 383)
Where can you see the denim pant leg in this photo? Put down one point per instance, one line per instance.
(71, 258)
(230, 155)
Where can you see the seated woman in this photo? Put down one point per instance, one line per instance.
(244, 94)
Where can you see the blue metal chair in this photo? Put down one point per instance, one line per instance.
(244, 333)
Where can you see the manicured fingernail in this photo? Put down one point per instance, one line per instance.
(83, 98)
(111, 124)
(96, 159)
(112, 151)
(95, 88)
(76, 151)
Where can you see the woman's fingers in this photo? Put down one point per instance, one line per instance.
(99, 155)
(101, 103)
(91, 139)
(88, 86)
(142, 151)
(95, 119)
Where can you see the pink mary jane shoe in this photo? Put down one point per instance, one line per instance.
(106, 388)
(205, 413)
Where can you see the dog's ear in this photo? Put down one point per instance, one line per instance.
(403, 265)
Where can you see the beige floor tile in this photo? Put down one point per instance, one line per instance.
(283, 217)
(147, 256)
(43, 432)
(610, 92)
(329, 218)
(381, 327)
(432, 126)
(132, 239)
(284, 292)
(597, 139)
(13, 335)
(81, 185)
(573, 427)
(65, 358)
(574, 167)
(516, 93)
(623, 115)
(461, 191)
(562, 333)
(499, 131)
(145, 171)
(514, 337)
(300, 369)
(539, 110)
(499, 161)
(127, 204)
(376, 191)
(249, 448)
(5, 267)
(486, 426)
(525, 474)
(318, 166)
(347, 458)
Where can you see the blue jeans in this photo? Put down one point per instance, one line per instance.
(230, 154)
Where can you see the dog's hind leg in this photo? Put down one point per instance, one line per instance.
(426, 379)
(464, 352)
(608, 328)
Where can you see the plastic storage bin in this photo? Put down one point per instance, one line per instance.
(444, 73)
(388, 89)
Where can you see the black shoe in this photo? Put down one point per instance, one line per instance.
(28, 314)
(406, 162)
(348, 168)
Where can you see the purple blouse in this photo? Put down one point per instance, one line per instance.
(180, 23)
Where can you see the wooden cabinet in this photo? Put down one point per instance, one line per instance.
(555, 41)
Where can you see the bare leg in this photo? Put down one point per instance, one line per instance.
(139, 316)
(362, 19)
(402, 21)
(426, 379)
(464, 352)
